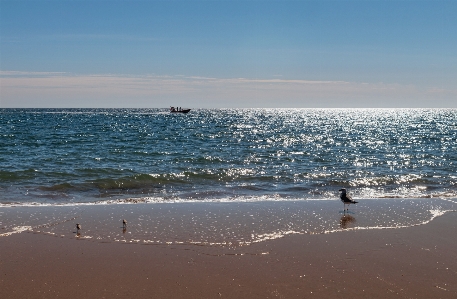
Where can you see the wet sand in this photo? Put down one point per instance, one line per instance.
(411, 262)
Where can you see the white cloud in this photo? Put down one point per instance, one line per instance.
(29, 74)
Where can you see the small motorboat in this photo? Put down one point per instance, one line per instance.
(178, 110)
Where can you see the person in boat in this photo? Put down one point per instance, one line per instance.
(172, 109)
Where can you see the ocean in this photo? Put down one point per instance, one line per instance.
(88, 156)
(224, 178)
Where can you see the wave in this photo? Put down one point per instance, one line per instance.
(234, 183)
(221, 197)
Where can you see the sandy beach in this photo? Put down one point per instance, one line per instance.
(411, 262)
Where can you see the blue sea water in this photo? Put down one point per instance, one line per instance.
(71, 156)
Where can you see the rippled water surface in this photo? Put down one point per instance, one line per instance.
(57, 157)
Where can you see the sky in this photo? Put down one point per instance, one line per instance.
(224, 54)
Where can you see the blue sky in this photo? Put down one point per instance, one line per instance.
(228, 53)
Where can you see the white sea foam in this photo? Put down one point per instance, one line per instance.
(16, 230)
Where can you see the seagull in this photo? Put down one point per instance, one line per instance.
(124, 223)
(78, 226)
(346, 199)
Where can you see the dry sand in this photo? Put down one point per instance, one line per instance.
(414, 262)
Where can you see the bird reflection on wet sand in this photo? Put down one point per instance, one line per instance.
(346, 221)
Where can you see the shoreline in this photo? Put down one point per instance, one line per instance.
(414, 262)
(225, 224)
